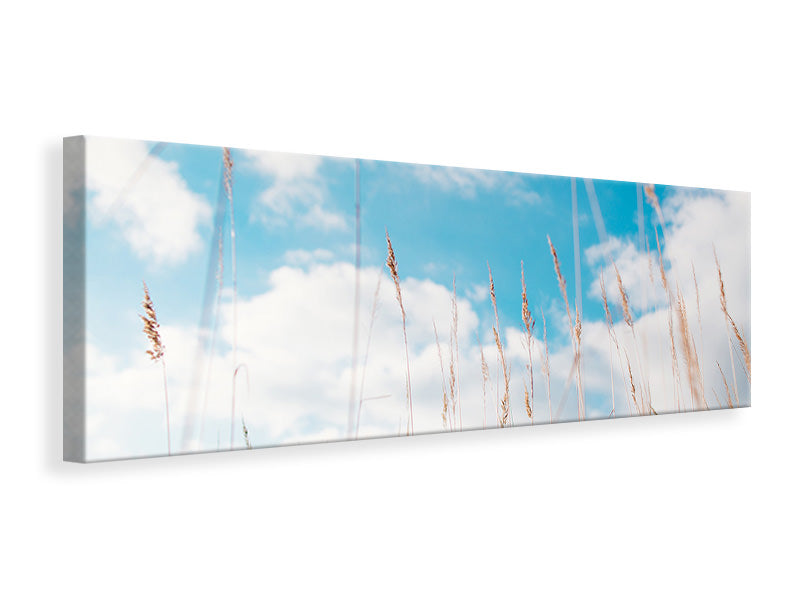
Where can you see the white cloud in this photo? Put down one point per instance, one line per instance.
(146, 198)
(297, 193)
(285, 166)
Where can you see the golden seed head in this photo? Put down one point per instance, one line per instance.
(650, 194)
(609, 320)
(504, 403)
(151, 326)
(228, 176)
(391, 262)
(528, 408)
(626, 310)
(491, 292)
(562, 284)
(527, 318)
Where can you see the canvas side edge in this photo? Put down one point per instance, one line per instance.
(74, 297)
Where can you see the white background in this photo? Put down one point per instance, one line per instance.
(688, 93)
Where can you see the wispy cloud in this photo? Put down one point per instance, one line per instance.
(306, 257)
(470, 182)
(465, 181)
(297, 192)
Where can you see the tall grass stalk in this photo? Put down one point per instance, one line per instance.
(689, 354)
(633, 385)
(574, 329)
(546, 369)
(228, 179)
(391, 263)
(529, 323)
(504, 408)
(455, 367)
(727, 389)
(576, 256)
(743, 347)
(356, 302)
(484, 376)
(374, 311)
(646, 404)
(445, 397)
(612, 339)
(676, 378)
(723, 300)
(156, 352)
(700, 328)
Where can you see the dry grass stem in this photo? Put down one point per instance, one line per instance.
(156, 352)
(530, 323)
(676, 379)
(573, 325)
(228, 179)
(633, 385)
(351, 408)
(546, 369)
(484, 376)
(689, 355)
(455, 370)
(445, 399)
(391, 262)
(700, 327)
(612, 339)
(727, 389)
(745, 349)
(627, 314)
(626, 309)
(581, 398)
(723, 299)
(505, 406)
(374, 312)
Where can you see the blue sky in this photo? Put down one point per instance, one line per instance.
(151, 214)
(440, 227)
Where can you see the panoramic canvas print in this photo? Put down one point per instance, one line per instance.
(219, 299)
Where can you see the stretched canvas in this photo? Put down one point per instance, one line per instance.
(219, 299)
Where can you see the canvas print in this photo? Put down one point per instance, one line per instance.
(223, 299)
